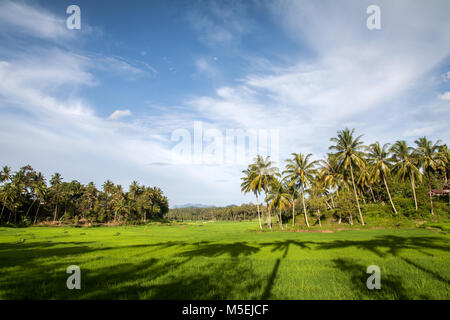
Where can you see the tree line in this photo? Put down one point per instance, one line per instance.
(350, 173)
(246, 211)
(26, 198)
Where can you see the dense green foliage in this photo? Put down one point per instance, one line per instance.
(224, 260)
(229, 213)
(26, 199)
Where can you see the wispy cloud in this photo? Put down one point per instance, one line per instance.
(220, 23)
(119, 114)
(445, 96)
(25, 19)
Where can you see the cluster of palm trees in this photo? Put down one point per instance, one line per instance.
(25, 197)
(350, 167)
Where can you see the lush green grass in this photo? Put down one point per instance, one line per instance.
(220, 260)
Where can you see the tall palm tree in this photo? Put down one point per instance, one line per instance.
(293, 191)
(41, 191)
(263, 176)
(366, 180)
(430, 159)
(247, 186)
(405, 165)
(378, 156)
(299, 172)
(279, 198)
(349, 153)
(108, 190)
(446, 157)
(330, 174)
(35, 181)
(118, 201)
(5, 175)
(55, 184)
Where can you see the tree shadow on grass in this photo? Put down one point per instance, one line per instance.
(41, 272)
(233, 250)
(430, 272)
(282, 246)
(175, 278)
(392, 244)
(223, 279)
(391, 286)
(127, 280)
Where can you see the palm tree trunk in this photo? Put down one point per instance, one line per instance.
(362, 196)
(304, 206)
(269, 218)
(259, 216)
(332, 201)
(414, 190)
(54, 216)
(293, 211)
(318, 215)
(1, 214)
(37, 211)
(281, 222)
(431, 201)
(389, 194)
(26, 215)
(373, 196)
(356, 196)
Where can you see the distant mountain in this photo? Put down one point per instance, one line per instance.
(192, 205)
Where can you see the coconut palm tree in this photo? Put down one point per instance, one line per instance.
(279, 198)
(300, 172)
(317, 197)
(5, 176)
(446, 157)
(264, 173)
(330, 174)
(35, 180)
(293, 191)
(247, 186)
(430, 160)
(405, 165)
(55, 187)
(118, 201)
(349, 153)
(378, 156)
(366, 180)
(41, 191)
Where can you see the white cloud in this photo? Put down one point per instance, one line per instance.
(445, 96)
(220, 24)
(206, 67)
(32, 20)
(119, 114)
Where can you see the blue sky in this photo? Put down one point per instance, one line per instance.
(103, 102)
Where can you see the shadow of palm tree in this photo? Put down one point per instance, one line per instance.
(391, 286)
(221, 280)
(392, 244)
(233, 250)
